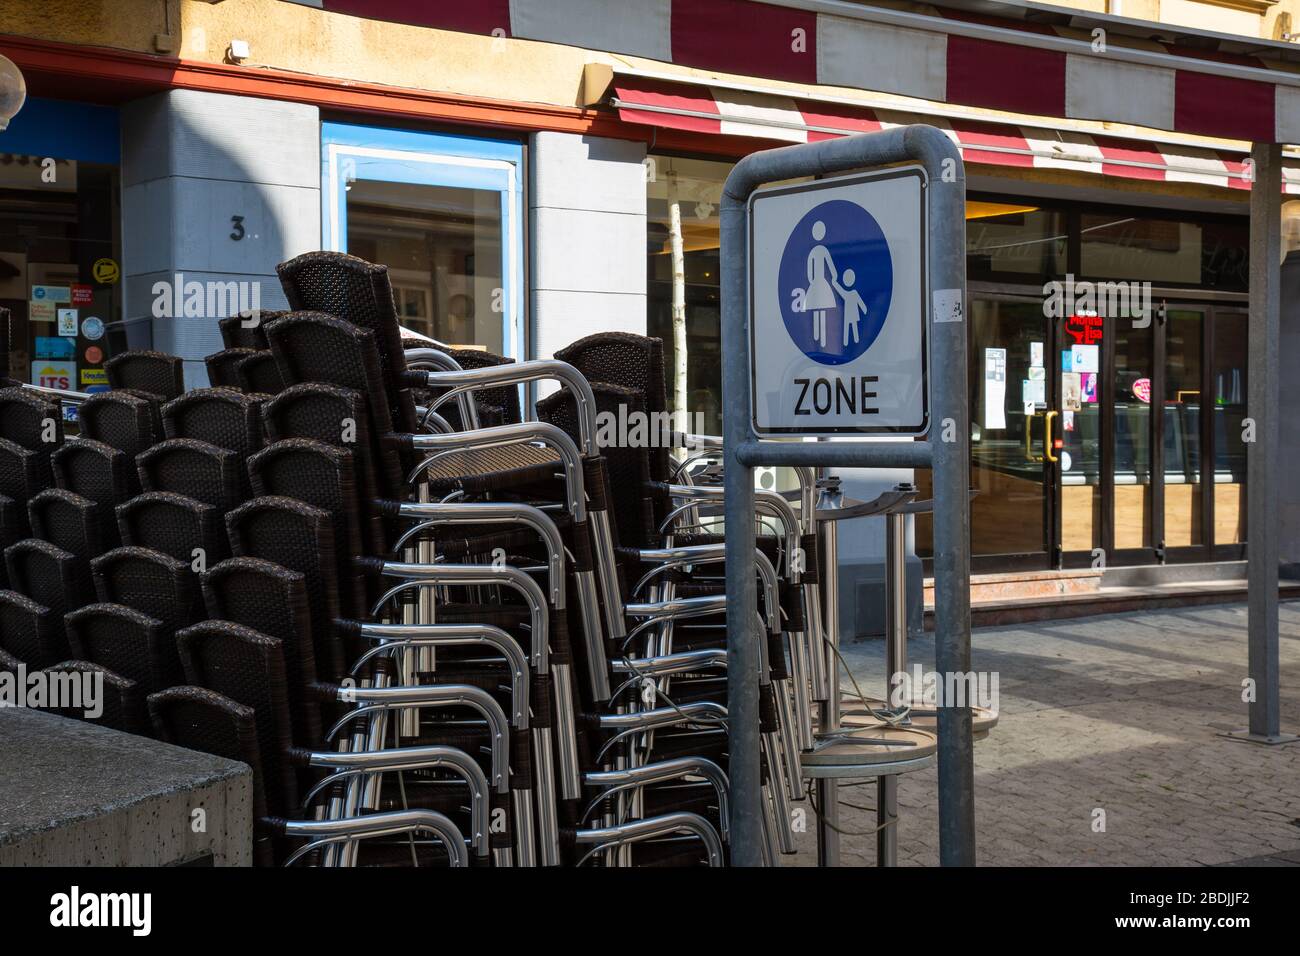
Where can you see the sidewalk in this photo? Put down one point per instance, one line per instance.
(1118, 712)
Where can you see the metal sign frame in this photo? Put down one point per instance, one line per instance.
(743, 450)
(764, 192)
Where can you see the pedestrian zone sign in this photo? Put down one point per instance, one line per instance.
(839, 311)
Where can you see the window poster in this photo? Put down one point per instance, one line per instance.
(1033, 392)
(1071, 391)
(995, 388)
(1085, 358)
(68, 322)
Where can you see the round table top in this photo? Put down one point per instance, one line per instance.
(922, 716)
(871, 751)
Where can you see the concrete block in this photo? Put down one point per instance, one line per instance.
(147, 226)
(575, 250)
(279, 222)
(190, 337)
(77, 794)
(221, 137)
(560, 318)
(587, 172)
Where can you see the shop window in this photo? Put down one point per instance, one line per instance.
(1182, 427)
(1164, 251)
(694, 187)
(441, 245)
(1014, 240)
(444, 212)
(1228, 387)
(59, 267)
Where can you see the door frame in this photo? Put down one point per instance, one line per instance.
(442, 159)
(1210, 305)
(1042, 559)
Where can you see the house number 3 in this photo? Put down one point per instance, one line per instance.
(238, 232)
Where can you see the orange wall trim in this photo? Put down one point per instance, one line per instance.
(104, 75)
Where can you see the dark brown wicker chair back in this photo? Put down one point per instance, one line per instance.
(320, 475)
(203, 720)
(336, 416)
(26, 632)
(358, 292)
(122, 700)
(132, 644)
(51, 577)
(236, 335)
(272, 599)
(30, 420)
(100, 474)
(198, 469)
(121, 420)
(13, 528)
(223, 367)
(247, 667)
(174, 524)
(630, 361)
(299, 537)
(221, 416)
(632, 497)
(5, 325)
(315, 347)
(258, 372)
(68, 521)
(152, 373)
(150, 582)
(23, 473)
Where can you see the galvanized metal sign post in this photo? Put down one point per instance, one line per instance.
(884, 253)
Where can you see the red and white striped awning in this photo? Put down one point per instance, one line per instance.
(701, 108)
(1156, 76)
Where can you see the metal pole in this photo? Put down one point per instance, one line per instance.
(743, 657)
(895, 671)
(947, 453)
(950, 438)
(828, 711)
(1262, 453)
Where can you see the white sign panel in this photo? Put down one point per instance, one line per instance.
(839, 311)
(53, 374)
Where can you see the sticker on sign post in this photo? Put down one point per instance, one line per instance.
(839, 306)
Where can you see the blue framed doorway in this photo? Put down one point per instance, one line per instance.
(445, 213)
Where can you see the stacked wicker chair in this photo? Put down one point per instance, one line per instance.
(441, 634)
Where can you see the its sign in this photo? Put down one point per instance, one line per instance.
(55, 374)
(839, 306)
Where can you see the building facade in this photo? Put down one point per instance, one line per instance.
(532, 172)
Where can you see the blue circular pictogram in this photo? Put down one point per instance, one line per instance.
(835, 283)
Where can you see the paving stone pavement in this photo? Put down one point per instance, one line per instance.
(1119, 712)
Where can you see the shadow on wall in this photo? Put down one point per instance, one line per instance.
(216, 191)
